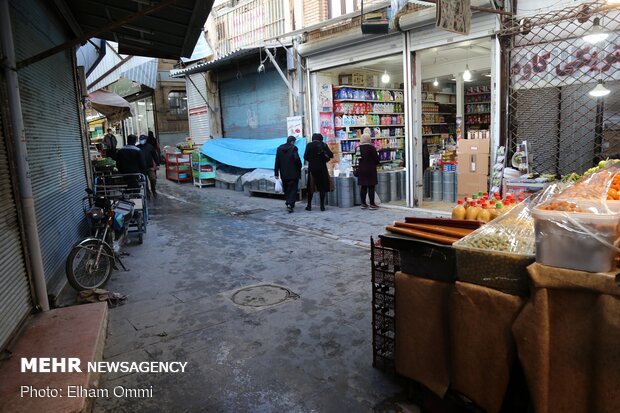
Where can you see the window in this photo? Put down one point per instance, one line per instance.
(340, 7)
(177, 102)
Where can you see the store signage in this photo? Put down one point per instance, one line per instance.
(565, 63)
(294, 126)
(453, 15)
(201, 110)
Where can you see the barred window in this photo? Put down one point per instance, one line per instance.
(177, 102)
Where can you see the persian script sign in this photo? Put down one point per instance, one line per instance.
(565, 63)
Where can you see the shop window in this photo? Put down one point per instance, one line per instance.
(177, 102)
(339, 7)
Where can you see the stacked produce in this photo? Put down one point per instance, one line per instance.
(483, 208)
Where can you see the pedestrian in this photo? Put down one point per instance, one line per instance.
(153, 141)
(317, 154)
(148, 147)
(367, 170)
(288, 168)
(109, 144)
(129, 159)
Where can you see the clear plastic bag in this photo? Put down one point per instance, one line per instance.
(278, 187)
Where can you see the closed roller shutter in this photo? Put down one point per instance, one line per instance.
(255, 106)
(54, 141)
(15, 299)
(198, 110)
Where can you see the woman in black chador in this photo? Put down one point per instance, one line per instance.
(317, 154)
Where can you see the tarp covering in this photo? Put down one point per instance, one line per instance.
(248, 153)
(114, 107)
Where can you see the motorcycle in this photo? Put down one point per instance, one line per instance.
(91, 261)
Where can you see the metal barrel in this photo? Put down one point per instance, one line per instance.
(436, 186)
(427, 184)
(394, 185)
(403, 184)
(449, 195)
(332, 197)
(345, 191)
(399, 185)
(356, 193)
(383, 186)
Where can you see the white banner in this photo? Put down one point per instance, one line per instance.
(565, 63)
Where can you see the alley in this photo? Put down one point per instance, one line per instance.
(312, 353)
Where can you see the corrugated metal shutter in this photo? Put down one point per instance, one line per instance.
(482, 24)
(54, 141)
(255, 106)
(15, 300)
(359, 52)
(198, 111)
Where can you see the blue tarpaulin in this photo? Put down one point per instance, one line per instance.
(248, 153)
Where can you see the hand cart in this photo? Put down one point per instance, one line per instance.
(129, 187)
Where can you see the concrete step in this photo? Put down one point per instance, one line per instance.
(77, 332)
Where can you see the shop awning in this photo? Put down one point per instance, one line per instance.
(114, 107)
(165, 28)
(220, 61)
(247, 153)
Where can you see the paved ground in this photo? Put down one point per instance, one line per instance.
(310, 354)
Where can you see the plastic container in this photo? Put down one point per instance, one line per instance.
(576, 241)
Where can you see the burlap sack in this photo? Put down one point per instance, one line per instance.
(568, 341)
(422, 336)
(482, 348)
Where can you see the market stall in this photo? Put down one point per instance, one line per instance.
(536, 288)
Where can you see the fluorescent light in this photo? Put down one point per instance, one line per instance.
(385, 78)
(467, 74)
(599, 91)
(435, 83)
(596, 33)
(488, 75)
(141, 103)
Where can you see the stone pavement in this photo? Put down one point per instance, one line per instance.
(310, 354)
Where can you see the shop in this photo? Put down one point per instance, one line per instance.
(357, 87)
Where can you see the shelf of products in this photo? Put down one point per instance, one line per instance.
(203, 170)
(178, 167)
(366, 94)
(368, 120)
(477, 108)
(438, 119)
(365, 108)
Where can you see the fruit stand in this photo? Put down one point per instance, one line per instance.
(536, 290)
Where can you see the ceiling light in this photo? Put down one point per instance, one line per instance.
(467, 74)
(385, 78)
(261, 68)
(435, 83)
(488, 75)
(599, 91)
(596, 33)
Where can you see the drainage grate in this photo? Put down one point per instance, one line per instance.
(262, 296)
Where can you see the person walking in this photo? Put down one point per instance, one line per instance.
(110, 143)
(288, 168)
(317, 155)
(148, 147)
(367, 170)
(129, 159)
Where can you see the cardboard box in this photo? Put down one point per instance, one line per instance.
(464, 146)
(471, 183)
(474, 163)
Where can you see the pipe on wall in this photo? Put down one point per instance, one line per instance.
(21, 158)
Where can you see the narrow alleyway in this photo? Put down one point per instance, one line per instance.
(308, 354)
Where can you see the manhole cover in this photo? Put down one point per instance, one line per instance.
(262, 296)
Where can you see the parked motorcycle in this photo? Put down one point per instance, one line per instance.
(91, 261)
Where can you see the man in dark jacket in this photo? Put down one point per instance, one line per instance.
(151, 160)
(288, 167)
(109, 143)
(129, 159)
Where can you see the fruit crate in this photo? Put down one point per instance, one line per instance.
(385, 262)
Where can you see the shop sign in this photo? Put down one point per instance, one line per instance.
(294, 126)
(201, 110)
(453, 15)
(565, 63)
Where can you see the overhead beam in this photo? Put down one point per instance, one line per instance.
(66, 13)
(108, 72)
(84, 37)
(282, 75)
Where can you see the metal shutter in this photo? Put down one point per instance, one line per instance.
(54, 141)
(197, 108)
(15, 299)
(255, 106)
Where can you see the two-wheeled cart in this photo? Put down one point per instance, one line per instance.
(128, 187)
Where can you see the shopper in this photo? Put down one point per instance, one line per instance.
(317, 154)
(129, 159)
(288, 168)
(110, 143)
(148, 147)
(153, 141)
(367, 170)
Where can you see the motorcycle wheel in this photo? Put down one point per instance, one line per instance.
(83, 272)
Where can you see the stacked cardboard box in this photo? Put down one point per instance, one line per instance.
(473, 166)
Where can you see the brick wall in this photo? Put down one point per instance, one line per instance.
(315, 11)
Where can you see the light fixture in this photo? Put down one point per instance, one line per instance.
(385, 78)
(467, 74)
(261, 68)
(599, 91)
(435, 83)
(487, 75)
(596, 33)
